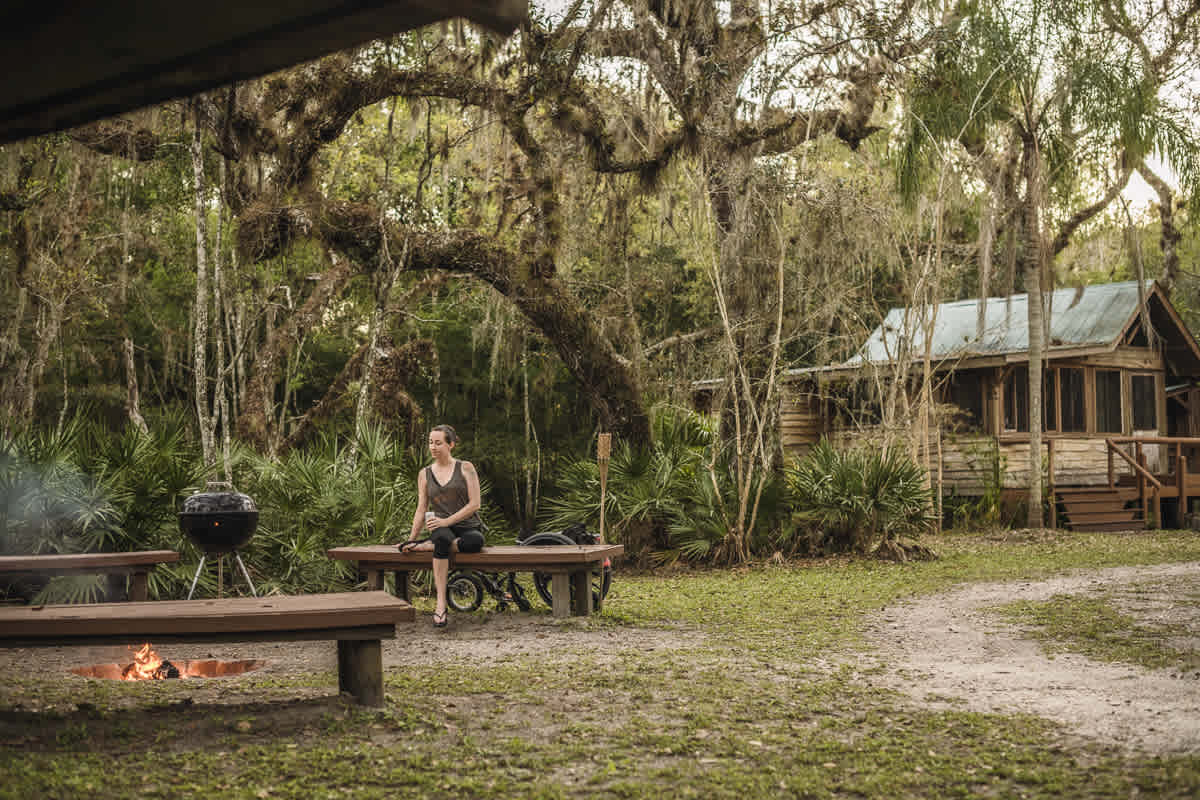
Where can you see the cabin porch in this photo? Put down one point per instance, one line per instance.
(1135, 495)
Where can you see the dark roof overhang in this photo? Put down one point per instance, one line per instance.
(65, 64)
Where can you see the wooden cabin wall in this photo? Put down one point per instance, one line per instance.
(1081, 459)
(972, 465)
(800, 422)
(967, 463)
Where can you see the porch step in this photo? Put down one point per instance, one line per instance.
(1098, 509)
(1095, 527)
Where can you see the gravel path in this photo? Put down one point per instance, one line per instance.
(948, 646)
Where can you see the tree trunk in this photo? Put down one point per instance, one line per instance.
(14, 362)
(254, 424)
(200, 329)
(385, 277)
(1168, 240)
(220, 408)
(1034, 256)
(47, 335)
(132, 394)
(987, 235)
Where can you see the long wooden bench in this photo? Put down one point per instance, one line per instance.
(568, 565)
(358, 621)
(136, 565)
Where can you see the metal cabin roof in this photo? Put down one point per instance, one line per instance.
(1091, 316)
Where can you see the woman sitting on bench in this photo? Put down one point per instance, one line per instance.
(448, 502)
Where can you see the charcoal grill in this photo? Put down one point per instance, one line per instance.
(219, 520)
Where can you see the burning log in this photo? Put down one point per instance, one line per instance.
(148, 666)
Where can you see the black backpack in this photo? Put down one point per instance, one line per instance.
(578, 533)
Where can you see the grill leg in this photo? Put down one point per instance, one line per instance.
(245, 574)
(193, 590)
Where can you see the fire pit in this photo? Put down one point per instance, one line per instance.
(147, 665)
(219, 521)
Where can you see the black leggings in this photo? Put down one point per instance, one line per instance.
(470, 540)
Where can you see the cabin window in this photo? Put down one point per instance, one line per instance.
(1145, 402)
(1108, 401)
(1016, 399)
(1070, 384)
(1049, 406)
(965, 392)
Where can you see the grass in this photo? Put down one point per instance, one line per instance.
(742, 704)
(1095, 627)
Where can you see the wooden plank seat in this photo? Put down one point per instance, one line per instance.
(568, 565)
(136, 565)
(358, 621)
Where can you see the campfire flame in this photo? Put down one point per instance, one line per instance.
(148, 666)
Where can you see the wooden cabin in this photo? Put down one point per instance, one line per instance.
(1121, 401)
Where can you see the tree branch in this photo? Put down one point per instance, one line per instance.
(354, 231)
(1063, 238)
(119, 137)
(683, 338)
(1170, 237)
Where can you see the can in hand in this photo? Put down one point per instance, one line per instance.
(429, 517)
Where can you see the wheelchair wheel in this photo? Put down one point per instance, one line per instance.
(601, 579)
(464, 592)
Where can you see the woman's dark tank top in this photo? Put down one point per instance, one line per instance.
(448, 499)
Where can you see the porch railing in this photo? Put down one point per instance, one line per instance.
(1148, 485)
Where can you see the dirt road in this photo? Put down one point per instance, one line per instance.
(949, 650)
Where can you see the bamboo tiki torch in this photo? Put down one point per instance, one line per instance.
(603, 451)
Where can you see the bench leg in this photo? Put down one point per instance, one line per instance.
(139, 587)
(402, 588)
(114, 587)
(375, 579)
(560, 593)
(582, 581)
(360, 670)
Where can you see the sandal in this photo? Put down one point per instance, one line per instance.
(439, 620)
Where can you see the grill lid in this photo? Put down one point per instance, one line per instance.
(219, 497)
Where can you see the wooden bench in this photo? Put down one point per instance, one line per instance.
(136, 565)
(357, 620)
(568, 565)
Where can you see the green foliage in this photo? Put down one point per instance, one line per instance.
(667, 499)
(1041, 71)
(332, 493)
(855, 500)
(83, 489)
(80, 488)
(648, 484)
(322, 497)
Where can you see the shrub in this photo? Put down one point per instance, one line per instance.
(859, 500)
(331, 493)
(81, 488)
(85, 489)
(646, 484)
(664, 502)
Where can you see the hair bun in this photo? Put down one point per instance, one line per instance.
(448, 432)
